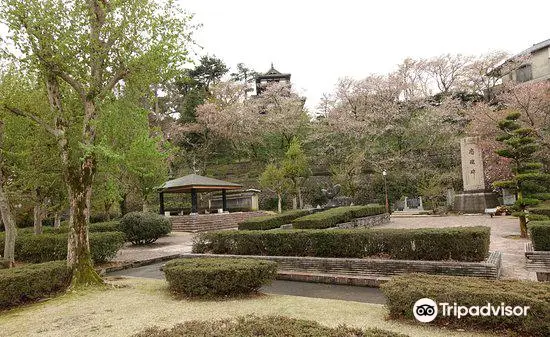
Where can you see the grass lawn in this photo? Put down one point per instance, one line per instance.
(139, 303)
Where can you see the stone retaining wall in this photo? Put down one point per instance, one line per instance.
(369, 221)
(370, 272)
(210, 222)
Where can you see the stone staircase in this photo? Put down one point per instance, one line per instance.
(210, 222)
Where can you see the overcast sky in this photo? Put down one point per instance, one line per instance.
(320, 41)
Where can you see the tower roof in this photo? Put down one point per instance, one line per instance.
(273, 73)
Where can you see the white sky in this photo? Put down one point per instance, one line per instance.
(320, 41)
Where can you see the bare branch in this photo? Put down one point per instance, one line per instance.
(117, 77)
(33, 117)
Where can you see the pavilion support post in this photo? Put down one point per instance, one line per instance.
(224, 200)
(194, 208)
(161, 201)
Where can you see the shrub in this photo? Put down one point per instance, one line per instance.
(403, 291)
(51, 247)
(32, 282)
(208, 277)
(110, 226)
(144, 228)
(45, 230)
(454, 243)
(540, 234)
(265, 326)
(334, 216)
(271, 221)
(4, 263)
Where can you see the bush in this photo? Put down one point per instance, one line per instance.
(265, 326)
(4, 263)
(51, 247)
(403, 291)
(109, 226)
(208, 277)
(32, 282)
(144, 228)
(272, 221)
(540, 234)
(334, 216)
(454, 243)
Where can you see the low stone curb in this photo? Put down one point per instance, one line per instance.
(135, 264)
(368, 272)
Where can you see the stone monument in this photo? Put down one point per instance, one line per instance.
(474, 198)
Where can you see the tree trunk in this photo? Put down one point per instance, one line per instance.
(38, 216)
(145, 206)
(123, 204)
(294, 202)
(56, 220)
(279, 203)
(523, 226)
(9, 226)
(78, 256)
(108, 211)
(300, 199)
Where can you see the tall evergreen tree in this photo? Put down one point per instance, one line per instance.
(528, 180)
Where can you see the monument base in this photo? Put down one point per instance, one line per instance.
(468, 202)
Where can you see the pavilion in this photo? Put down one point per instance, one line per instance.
(193, 184)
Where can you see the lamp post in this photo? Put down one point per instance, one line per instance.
(384, 173)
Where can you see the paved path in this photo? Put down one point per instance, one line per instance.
(504, 233)
(315, 290)
(504, 237)
(175, 243)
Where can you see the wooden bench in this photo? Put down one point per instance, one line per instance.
(538, 261)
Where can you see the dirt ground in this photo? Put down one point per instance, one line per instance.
(139, 303)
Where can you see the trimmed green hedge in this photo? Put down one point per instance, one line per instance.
(403, 291)
(206, 277)
(31, 282)
(110, 226)
(144, 228)
(540, 234)
(265, 326)
(272, 221)
(334, 216)
(453, 243)
(51, 247)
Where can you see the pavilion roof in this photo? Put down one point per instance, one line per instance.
(200, 183)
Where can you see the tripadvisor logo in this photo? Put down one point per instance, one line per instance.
(426, 310)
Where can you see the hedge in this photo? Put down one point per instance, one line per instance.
(31, 282)
(265, 326)
(540, 234)
(454, 243)
(207, 277)
(144, 228)
(272, 221)
(50, 247)
(403, 291)
(110, 226)
(334, 216)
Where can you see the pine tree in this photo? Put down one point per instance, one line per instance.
(527, 179)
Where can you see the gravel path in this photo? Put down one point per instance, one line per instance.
(504, 237)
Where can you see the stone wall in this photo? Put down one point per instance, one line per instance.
(210, 222)
(369, 272)
(369, 221)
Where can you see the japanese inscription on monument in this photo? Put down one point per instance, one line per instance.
(472, 165)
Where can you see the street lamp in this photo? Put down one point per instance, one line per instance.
(384, 173)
